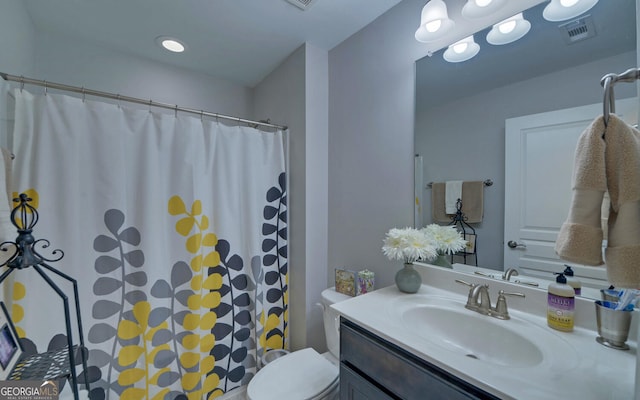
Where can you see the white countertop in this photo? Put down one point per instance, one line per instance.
(584, 370)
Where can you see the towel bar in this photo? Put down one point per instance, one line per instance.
(487, 182)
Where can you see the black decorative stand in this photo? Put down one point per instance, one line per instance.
(24, 217)
(459, 220)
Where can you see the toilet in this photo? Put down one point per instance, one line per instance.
(304, 374)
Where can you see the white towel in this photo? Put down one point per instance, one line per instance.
(452, 192)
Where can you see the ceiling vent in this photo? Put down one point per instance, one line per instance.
(302, 4)
(578, 29)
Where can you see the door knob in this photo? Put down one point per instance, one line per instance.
(513, 244)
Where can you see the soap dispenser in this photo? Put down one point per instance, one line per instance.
(560, 305)
(572, 281)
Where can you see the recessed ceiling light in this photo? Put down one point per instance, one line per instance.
(171, 44)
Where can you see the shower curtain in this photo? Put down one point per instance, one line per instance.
(175, 228)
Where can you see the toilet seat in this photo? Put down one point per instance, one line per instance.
(303, 374)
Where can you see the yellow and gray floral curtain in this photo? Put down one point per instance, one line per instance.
(175, 228)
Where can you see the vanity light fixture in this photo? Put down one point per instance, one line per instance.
(462, 50)
(171, 44)
(561, 10)
(434, 21)
(481, 8)
(508, 30)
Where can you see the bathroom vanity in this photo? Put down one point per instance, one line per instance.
(373, 368)
(428, 345)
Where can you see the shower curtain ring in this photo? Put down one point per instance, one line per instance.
(118, 99)
(201, 115)
(150, 104)
(84, 94)
(45, 88)
(176, 111)
(21, 83)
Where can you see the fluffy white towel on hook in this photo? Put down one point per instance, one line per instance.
(452, 192)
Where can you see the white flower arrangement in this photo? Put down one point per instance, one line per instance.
(408, 245)
(446, 239)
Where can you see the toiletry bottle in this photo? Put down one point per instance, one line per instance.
(560, 305)
(572, 281)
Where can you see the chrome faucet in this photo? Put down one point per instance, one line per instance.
(501, 311)
(506, 276)
(509, 273)
(478, 300)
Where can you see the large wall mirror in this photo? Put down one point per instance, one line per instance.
(461, 108)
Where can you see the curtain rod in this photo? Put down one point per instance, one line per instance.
(76, 89)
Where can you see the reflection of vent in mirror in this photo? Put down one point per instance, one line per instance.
(578, 29)
(302, 4)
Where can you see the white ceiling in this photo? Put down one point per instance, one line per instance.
(236, 40)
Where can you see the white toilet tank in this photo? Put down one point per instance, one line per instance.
(332, 319)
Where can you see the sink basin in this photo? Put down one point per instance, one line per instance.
(512, 343)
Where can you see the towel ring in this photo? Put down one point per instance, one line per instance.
(607, 81)
(608, 103)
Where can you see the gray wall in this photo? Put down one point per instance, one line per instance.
(71, 61)
(296, 92)
(371, 112)
(465, 138)
(17, 39)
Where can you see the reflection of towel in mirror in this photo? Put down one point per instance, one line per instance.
(472, 202)
(452, 192)
(612, 165)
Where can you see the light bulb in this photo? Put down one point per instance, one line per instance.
(483, 3)
(508, 30)
(460, 48)
(433, 26)
(434, 22)
(568, 3)
(473, 9)
(562, 10)
(172, 45)
(507, 27)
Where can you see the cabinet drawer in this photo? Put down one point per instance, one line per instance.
(355, 387)
(398, 371)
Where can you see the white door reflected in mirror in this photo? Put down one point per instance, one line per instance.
(539, 155)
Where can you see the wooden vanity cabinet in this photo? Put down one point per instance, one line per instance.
(374, 369)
